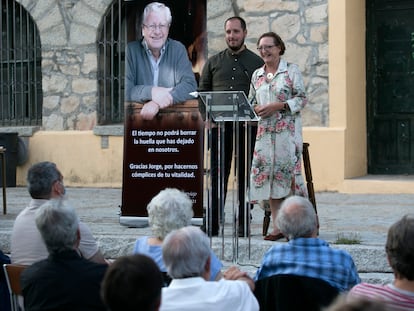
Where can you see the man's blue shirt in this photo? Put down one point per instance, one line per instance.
(310, 257)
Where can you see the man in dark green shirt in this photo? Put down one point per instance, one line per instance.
(230, 70)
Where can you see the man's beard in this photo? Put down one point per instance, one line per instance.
(236, 48)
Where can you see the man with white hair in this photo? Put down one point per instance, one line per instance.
(186, 254)
(158, 71)
(305, 254)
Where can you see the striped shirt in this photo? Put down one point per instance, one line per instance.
(394, 298)
(310, 257)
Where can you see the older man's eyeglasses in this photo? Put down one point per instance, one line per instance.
(265, 47)
(161, 27)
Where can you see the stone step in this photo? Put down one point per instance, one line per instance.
(367, 216)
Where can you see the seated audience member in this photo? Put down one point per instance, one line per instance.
(65, 280)
(44, 182)
(132, 283)
(400, 254)
(305, 254)
(4, 290)
(342, 304)
(169, 210)
(187, 256)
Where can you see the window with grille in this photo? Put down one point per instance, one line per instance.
(120, 25)
(111, 64)
(20, 67)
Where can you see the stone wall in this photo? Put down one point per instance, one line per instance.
(303, 26)
(68, 31)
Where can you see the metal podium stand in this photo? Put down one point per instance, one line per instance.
(227, 106)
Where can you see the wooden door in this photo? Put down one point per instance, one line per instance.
(390, 86)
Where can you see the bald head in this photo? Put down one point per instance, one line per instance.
(297, 218)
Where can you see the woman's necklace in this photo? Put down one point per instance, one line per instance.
(270, 75)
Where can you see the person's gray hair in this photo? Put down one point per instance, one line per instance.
(40, 179)
(298, 222)
(58, 224)
(185, 252)
(157, 7)
(169, 210)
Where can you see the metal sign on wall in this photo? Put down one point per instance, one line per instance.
(166, 152)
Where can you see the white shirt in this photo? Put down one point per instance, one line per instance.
(197, 294)
(27, 245)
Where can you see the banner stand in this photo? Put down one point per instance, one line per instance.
(166, 152)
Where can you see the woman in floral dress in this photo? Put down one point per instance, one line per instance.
(280, 96)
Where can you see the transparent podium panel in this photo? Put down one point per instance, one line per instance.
(230, 119)
(222, 106)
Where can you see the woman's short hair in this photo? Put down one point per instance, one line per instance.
(400, 247)
(277, 40)
(169, 210)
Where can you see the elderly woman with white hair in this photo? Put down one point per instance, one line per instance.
(169, 210)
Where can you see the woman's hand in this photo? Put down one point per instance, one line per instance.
(265, 111)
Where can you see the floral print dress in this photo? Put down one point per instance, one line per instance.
(276, 170)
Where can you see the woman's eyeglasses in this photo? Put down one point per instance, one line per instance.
(265, 47)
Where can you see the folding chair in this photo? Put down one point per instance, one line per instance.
(12, 273)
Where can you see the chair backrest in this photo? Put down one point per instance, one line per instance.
(288, 292)
(12, 273)
(4, 290)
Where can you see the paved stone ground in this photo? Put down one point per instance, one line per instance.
(362, 216)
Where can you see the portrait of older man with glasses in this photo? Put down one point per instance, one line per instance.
(158, 71)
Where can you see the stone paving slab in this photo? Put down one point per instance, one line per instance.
(365, 216)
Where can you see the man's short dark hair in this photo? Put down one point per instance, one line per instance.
(241, 20)
(40, 179)
(132, 283)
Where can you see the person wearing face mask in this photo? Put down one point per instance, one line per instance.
(279, 90)
(158, 72)
(44, 182)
